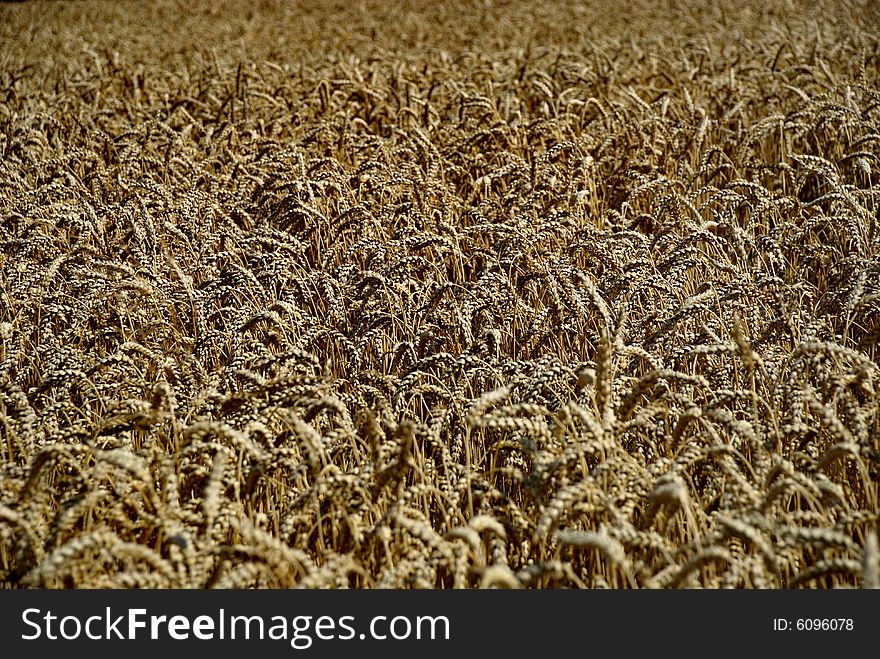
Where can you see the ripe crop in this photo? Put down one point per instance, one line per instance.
(439, 295)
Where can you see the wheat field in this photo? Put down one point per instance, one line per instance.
(439, 294)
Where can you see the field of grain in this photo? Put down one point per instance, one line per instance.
(439, 294)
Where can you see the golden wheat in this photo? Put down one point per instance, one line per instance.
(566, 296)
